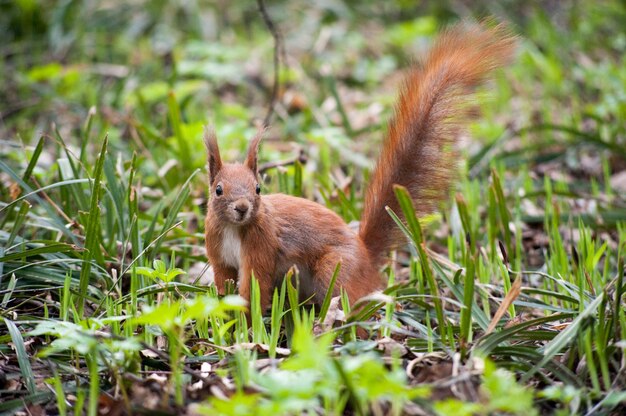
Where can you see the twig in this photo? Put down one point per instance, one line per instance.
(277, 48)
(271, 165)
(162, 355)
(54, 205)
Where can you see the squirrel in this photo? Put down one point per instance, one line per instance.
(250, 234)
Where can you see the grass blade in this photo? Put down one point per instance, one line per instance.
(406, 204)
(175, 120)
(329, 294)
(22, 356)
(175, 208)
(564, 338)
(92, 236)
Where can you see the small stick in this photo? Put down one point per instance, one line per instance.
(277, 47)
(271, 165)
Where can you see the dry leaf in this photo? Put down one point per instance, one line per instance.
(334, 313)
(514, 292)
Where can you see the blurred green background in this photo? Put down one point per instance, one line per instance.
(60, 58)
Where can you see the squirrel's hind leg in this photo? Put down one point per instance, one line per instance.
(355, 278)
(323, 274)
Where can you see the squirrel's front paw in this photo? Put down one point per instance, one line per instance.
(225, 286)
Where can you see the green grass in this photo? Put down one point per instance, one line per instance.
(508, 302)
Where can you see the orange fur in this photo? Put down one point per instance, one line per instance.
(418, 151)
(272, 233)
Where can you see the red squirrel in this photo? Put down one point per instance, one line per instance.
(250, 233)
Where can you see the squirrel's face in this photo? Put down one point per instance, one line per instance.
(235, 194)
(234, 188)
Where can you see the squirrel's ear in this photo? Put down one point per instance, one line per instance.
(253, 150)
(214, 160)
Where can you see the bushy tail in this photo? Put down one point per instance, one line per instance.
(434, 104)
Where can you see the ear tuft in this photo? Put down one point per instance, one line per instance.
(253, 151)
(214, 160)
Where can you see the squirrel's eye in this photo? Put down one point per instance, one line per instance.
(258, 189)
(218, 190)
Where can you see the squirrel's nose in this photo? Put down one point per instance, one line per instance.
(242, 207)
